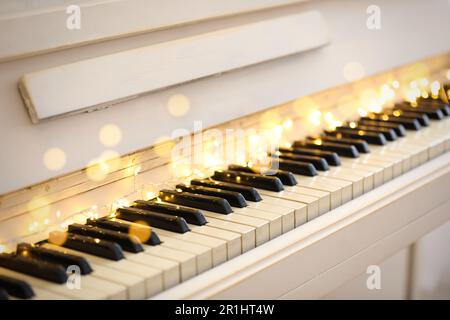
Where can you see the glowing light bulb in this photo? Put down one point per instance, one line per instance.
(150, 195)
(287, 124)
(395, 84)
(362, 112)
(435, 87)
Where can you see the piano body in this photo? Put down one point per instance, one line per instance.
(108, 104)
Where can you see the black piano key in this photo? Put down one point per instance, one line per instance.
(423, 118)
(370, 137)
(408, 123)
(433, 113)
(331, 157)
(319, 163)
(3, 295)
(249, 179)
(399, 128)
(95, 246)
(128, 243)
(34, 267)
(388, 133)
(286, 177)
(16, 288)
(56, 257)
(199, 201)
(297, 167)
(153, 239)
(234, 198)
(361, 145)
(154, 219)
(191, 215)
(249, 193)
(434, 103)
(344, 150)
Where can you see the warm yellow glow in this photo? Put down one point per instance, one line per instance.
(39, 207)
(141, 230)
(150, 195)
(57, 237)
(119, 203)
(362, 112)
(254, 139)
(435, 87)
(412, 95)
(387, 94)
(33, 227)
(54, 159)
(178, 105)
(423, 82)
(58, 214)
(137, 170)
(314, 118)
(413, 84)
(385, 117)
(278, 131)
(97, 169)
(352, 125)
(287, 144)
(318, 142)
(374, 108)
(288, 123)
(448, 74)
(395, 84)
(397, 113)
(110, 135)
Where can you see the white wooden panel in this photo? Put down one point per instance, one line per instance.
(27, 27)
(100, 82)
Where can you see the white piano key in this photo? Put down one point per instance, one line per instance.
(323, 197)
(274, 219)
(42, 294)
(387, 166)
(349, 174)
(339, 190)
(332, 184)
(261, 226)
(376, 171)
(169, 268)
(300, 211)
(152, 278)
(113, 290)
(287, 214)
(232, 239)
(187, 261)
(311, 202)
(203, 254)
(218, 247)
(83, 293)
(248, 233)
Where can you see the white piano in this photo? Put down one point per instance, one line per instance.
(135, 134)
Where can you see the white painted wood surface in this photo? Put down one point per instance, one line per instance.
(29, 28)
(101, 82)
(318, 257)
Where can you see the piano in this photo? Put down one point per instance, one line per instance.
(238, 150)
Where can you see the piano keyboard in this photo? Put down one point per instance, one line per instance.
(155, 244)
